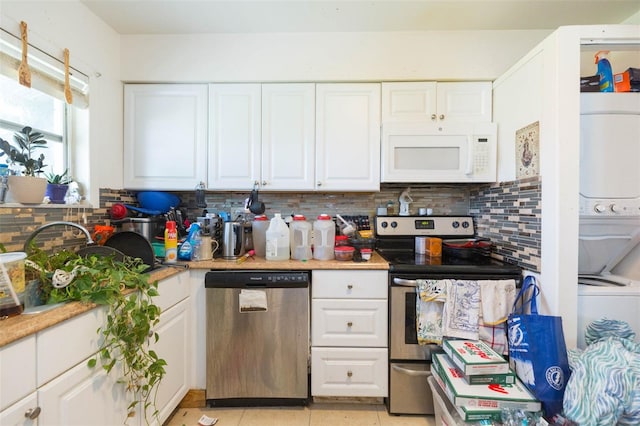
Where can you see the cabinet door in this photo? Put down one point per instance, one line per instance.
(18, 413)
(348, 137)
(466, 102)
(17, 371)
(288, 136)
(165, 135)
(234, 136)
(84, 396)
(409, 102)
(172, 346)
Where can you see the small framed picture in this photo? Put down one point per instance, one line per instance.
(528, 151)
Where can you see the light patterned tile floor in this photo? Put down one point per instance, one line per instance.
(317, 414)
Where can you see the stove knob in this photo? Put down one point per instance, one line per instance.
(599, 208)
(465, 224)
(394, 224)
(455, 224)
(384, 224)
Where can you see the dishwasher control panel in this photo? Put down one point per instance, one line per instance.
(248, 279)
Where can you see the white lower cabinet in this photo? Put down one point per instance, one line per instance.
(349, 343)
(25, 412)
(84, 396)
(65, 391)
(172, 346)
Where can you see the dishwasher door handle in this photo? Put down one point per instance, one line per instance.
(410, 372)
(405, 283)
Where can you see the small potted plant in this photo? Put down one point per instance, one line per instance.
(27, 188)
(57, 186)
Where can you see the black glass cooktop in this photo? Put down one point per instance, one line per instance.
(405, 261)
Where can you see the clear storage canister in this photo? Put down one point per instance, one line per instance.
(324, 234)
(260, 226)
(277, 247)
(300, 237)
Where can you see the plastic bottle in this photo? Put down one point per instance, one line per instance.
(191, 244)
(300, 237)
(277, 236)
(170, 242)
(604, 71)
(260, 226)
(324, 234)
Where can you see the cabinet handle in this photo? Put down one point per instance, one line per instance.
(433, 116)
(441, 117)
(264, 183)
(256, 182)
(349, 374)
(349, 286)
(319, 183)
(349, 324)
(32, 413)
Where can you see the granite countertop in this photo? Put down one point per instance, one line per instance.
(19, 326)
(376, 262)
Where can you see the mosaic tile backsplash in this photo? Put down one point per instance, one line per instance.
(508, 213)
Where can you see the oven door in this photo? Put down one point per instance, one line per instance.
(403, 339)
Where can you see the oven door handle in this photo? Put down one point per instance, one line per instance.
(410, 372)
(405, 283)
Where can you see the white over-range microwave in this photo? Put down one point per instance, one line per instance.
(425, 152)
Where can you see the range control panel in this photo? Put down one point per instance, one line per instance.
(435, 226)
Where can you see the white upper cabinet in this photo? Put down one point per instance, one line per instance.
(288, 138)
(234, 136)
(460, 102)
(348, 137)
(165, 136)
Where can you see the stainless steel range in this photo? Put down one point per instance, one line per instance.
(409, 362)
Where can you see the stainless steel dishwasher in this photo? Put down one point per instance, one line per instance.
(257, 328)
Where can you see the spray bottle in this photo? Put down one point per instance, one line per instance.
(604, 71)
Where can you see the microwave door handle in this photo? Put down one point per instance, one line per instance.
(469, 169)
(405, 283)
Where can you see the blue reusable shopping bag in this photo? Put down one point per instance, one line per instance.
(537, 349)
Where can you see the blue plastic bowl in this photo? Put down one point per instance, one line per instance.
(159, 201)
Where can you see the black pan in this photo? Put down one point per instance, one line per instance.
(134, 245)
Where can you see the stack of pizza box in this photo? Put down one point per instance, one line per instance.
(478, 381)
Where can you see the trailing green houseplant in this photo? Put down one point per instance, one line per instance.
(131, 315)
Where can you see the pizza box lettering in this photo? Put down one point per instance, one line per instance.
(474, 357)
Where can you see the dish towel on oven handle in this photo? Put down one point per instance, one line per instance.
(430, 298)
(458, 308)
(496, 301)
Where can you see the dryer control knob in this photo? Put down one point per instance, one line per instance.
(616, 208)
(599, 208)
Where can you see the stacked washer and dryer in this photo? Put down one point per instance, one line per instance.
(609, 242)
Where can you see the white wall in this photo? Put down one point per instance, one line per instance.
(431, 55)
(94, 48)
(544, 87)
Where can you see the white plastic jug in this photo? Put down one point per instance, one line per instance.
(324, 235)
(300, 238)
(260, 226)
(277, 245)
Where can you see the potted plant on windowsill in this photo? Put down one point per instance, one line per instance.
(27, 188)
(57, 186)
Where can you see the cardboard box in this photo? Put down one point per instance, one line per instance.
(445, 409)
(473, 397)
(474, 357)
(628, 81)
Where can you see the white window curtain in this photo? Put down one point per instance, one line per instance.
(47, 69)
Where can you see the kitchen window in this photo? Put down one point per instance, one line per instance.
(21, 106)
